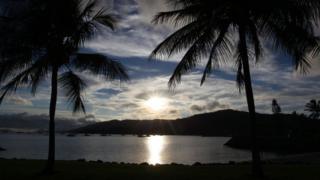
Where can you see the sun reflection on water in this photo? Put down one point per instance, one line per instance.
(155, 146)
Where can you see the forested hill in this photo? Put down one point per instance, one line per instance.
(220, 123)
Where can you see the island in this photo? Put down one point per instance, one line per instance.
(283, 133)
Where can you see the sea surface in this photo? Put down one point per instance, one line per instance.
(128, 149)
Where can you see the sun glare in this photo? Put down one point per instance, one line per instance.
(156, 103)
(155, 145)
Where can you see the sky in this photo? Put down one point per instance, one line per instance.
(146, 95)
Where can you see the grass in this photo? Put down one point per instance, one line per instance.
(69, 170)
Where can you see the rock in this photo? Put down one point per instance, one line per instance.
(2, 149)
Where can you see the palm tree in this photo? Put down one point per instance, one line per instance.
(47, 37)
(314, 108)
(207, 26)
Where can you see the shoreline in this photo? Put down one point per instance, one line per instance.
(69, 170)
(306, 158)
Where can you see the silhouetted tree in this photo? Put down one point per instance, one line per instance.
(314, 108)
(206, 28)
(46, 41)
(276, 109)
(279, 121)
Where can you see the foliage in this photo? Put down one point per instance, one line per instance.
(276, 109)
(48, 35)
(207, 30)
(314, 108)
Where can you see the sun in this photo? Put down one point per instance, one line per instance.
(156, 103)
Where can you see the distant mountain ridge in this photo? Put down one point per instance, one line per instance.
(25, 122)
(220, 123)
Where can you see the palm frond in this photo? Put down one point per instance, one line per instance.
(32, 76)
(39, 72)
(13, 63)
(105, 19)
(196, 52)
(311, 106)
(287, 25)
(221, 47)
(314, 108)
(74, 87)
(316, 51)
(294, 39)
(100, 65)
(85, 31)
(88, 9)
(255, 40)
(177, 17)
(179, 40)
(88, 23)
(11, 87)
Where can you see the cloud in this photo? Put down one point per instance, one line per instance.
(174, 112)
(114, 100)
(18, 100)
(149, 8)
(273, 76)
(135, 35)
(213, 106)
(208, 107)
(197, 108)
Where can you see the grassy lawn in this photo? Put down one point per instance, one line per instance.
(69, 170)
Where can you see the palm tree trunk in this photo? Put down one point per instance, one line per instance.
(52, 111)
(256, 161)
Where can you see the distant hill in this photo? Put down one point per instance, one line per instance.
(24, 122)
(220, 123)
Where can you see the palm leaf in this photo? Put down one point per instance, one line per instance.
(105, 19)
(73, 86)
(10, 65)
(178, 17)
(221, 47)
(85, 31)
(255, 40)
(39, 73)
(100, 65)
(179, 40)
(88, 9)
(196, 52)
(11, 87)
(87, 24)
(32, 76)
(296, 44)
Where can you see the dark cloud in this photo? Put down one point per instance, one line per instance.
(142, 96)
(147, 94)
(17, 100)
(212, 106)
(129, 105)
(197, 108)
(216, 105)
(173, 111)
